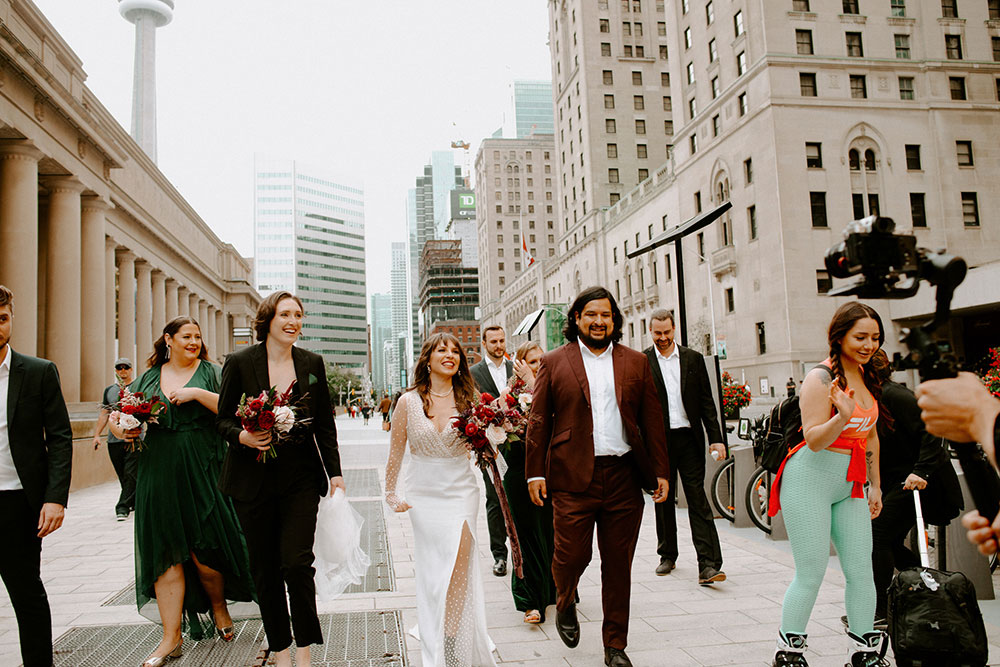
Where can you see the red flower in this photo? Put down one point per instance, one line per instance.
(266, 420)
(128, 409)
(256, 404)
(144, 407)
(511, 401)
(471, 430)
(487, 414)
(485, 398)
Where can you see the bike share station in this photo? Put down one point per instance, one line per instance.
(892, 267)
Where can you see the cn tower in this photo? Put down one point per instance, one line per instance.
(147, 16)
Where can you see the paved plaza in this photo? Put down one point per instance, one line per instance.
(675, 622)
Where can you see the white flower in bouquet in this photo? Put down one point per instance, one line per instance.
(496, 435)
(284, 419)
(127, 422)
(525, 400)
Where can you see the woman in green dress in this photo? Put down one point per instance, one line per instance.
(190, 555)
(537, 589)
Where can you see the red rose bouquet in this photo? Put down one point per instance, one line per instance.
(991, 377)
(734, 396)
(134, 409)
(269, 411)
(487, 429)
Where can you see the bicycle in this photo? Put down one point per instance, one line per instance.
(757, 492)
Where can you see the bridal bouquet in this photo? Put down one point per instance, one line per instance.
(134, 409)
(269, 411)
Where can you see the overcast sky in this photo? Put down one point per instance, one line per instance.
(366, 87)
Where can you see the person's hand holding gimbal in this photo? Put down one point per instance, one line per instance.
(960, 409)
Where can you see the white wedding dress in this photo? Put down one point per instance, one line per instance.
(443, 493)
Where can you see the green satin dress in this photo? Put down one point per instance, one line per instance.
(537, 589)
(179, 509)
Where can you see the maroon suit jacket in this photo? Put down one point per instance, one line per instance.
(560, 439)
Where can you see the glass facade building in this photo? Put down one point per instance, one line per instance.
(532, 108)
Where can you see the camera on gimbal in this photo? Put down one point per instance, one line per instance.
(891, 267)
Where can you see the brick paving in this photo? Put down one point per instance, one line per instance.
(675, 622)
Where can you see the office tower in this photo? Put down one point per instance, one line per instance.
(401, 340)
(532, 102)
(449, 295)
(381, 331)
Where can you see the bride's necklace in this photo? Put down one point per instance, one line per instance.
(444, 395)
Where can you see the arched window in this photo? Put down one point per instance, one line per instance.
(628, 281)
(870, 160)
(854, 160)
(510, 169)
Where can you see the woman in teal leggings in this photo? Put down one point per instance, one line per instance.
(820, 488)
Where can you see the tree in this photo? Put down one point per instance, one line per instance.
(340, 380)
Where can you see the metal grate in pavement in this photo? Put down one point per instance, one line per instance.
(356, 639)
(379, 578)
(362, 482)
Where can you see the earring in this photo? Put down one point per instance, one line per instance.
(167, 356)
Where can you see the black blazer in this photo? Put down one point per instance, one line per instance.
(484, 381)
(696, 394)
(245, 372)
(38, 427)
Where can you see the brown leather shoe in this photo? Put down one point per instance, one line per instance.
(665, 567)
(709, 575)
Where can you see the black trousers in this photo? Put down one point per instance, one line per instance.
(494, 520)
(20, 568)
(126, 465)
(279, 526)
(889, 531)
(687, 460)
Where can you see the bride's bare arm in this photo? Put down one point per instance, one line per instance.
(397, 447)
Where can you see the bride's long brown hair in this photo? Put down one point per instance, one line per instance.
(462, 382)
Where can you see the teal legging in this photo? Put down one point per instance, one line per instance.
(817, 506)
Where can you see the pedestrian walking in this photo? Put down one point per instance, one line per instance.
(790, 387)
(124, 459)
(383, 407)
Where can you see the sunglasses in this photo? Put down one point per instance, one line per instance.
(121, 368)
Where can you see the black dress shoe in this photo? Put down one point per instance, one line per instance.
(709, 575)
(615, 657)
(568, 626)
(666, 566)
(500, 567)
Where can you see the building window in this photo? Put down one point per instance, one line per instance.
(906, 87)
(661, 29)
(605, 48)
(957, 85)
(963, 150)
(713, 52)
(614, 198)
(638, 102)
(500, 265)
(693, 143)
(994, 8)
(663, 51)
(668, 129)
(612, 150)
(605, 27)
(850, 6)
(996, 49)
(918, 214)
(902, 46)
(636, 78)
(668, 273)
(690, 73)
(609, 101)
(700, 238)
(970, 209)
(859, 86)
(687, 38)
(643, 174)
(715, 87)
(761, 339)
(709, 13)
(752, 222)
(800, 5)
(716, 125)
(741, 63)
(626, 28)
(854, 46)
(665, 79)
(823, 282)
(807, 84)
(748, 171)
(640, 126)
(684, 6)
(697, 202)
(667, 103)
(814, 155)
(609, 77)
(913, 157)
(692, 107)
(730, 300)
(609, 125)
(741, 103)
(897, 7)
(738, 23)
(949, 9)
(804, 42)
(640, 151)
(627, 50)
(953, 47)
(613, 175)
(817, 206)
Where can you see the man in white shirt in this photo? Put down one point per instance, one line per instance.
(688, 412)
(36, 454)
(491, 376)
(595, 440)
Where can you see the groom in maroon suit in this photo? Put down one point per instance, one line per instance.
(595, 440)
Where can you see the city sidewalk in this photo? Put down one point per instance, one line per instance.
(675, 622)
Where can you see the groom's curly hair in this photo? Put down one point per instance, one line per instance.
(571, 331)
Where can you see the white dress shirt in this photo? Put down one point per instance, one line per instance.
(9, 481)
(609, 435)
(670, 367)
(498, 373)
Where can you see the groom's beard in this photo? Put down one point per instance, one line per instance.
(601, 344)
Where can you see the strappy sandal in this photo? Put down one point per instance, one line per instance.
(533, 616)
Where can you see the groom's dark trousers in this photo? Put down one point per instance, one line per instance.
(591, 491)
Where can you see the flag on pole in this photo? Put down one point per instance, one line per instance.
(528, 259)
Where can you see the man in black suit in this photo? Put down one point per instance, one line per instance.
(36, 454)
(491, 376)
(688, 412)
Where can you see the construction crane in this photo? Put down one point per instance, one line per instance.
(464, 145)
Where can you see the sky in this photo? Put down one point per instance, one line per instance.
(364, 88)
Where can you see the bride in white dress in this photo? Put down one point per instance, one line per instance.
(443, 501)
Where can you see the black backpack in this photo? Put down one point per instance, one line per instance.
(783, 431)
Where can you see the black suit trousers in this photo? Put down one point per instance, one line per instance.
(889, 551)
(20, 568)
(687, 459)
(279, 526)
(494, 519)
(126, 465)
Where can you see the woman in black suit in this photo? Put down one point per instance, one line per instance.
(277, 499)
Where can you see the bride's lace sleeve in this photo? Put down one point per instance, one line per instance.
(397, 447)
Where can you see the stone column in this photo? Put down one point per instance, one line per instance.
(221, 335)
(193, 306)
(93, 301)
(171, 300)
(126, 307)
(143, 313)
(159, 301)
(62, 280)
(182, 300)
(208, 333)
(111, 301)
(19, 238)
(203, 320)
